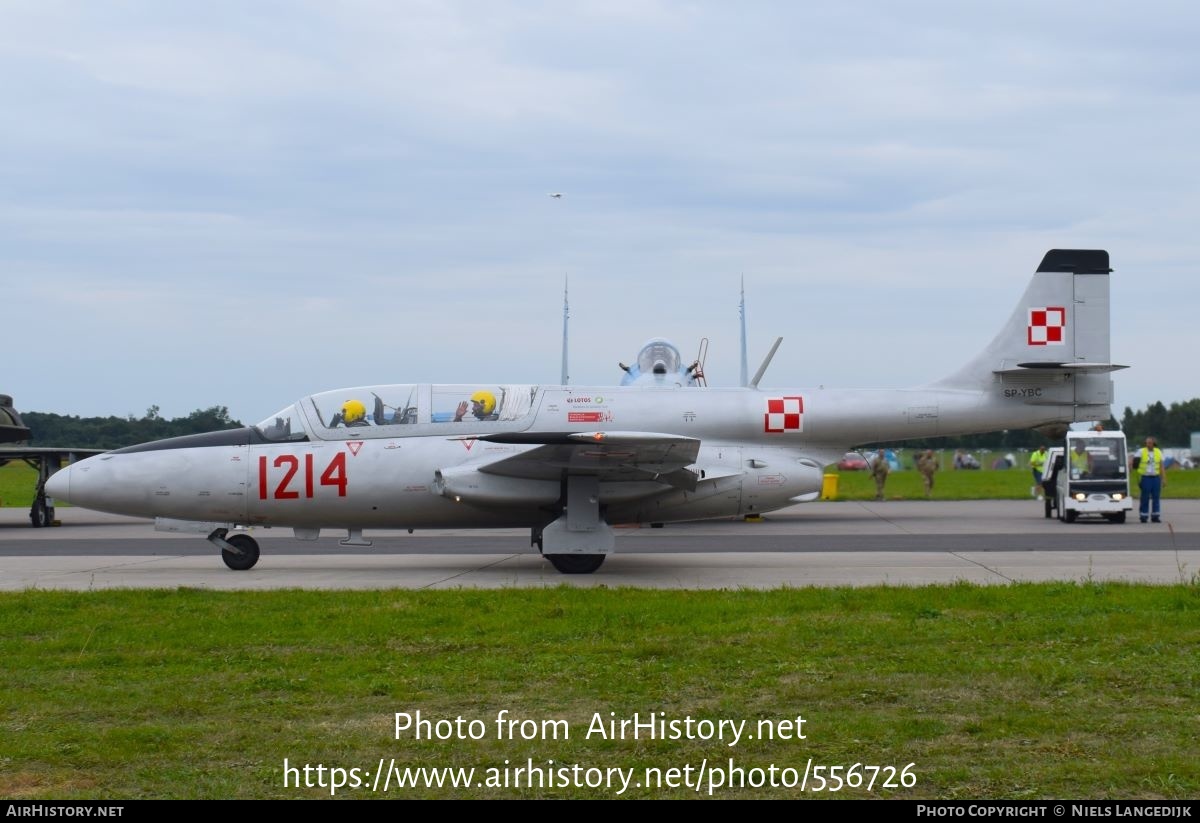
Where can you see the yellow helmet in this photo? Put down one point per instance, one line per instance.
(486, 400)
(353, 411)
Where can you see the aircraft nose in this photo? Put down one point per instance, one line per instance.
(82, 484)
(59, 484)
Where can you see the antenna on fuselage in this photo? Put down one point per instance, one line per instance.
(566, 314)
(766, 362)
(742, 315)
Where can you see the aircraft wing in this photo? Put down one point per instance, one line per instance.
(611, 455)
(33, 452)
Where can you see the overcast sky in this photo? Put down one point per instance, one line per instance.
(232, 203)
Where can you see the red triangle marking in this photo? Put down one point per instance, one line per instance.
(354, 446)
(467, 444)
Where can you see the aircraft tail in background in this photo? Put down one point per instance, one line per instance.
(1054, 350)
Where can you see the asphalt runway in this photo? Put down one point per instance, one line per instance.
(813, 544)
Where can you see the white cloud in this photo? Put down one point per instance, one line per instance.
(232, 204)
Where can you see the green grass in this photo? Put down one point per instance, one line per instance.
(984, 484)
(17, 484)
(1024, 691)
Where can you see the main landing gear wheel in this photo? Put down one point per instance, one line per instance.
(248, 547)
(576, 563)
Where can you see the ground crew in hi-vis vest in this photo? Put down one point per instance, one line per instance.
(1080, 461)
(1152, 476)
(1037, 464)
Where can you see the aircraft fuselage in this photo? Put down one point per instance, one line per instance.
(419, 475)
(570, 462)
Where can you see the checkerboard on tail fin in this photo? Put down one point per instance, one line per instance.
(1047, 326)
(1054, 349)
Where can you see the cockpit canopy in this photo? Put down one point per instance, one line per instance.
(658, 363)
(659, 356)
(395, 410)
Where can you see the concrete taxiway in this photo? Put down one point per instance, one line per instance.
(815, 544)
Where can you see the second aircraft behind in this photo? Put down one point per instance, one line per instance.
(568, 462)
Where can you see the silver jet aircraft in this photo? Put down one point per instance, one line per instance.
(567, 462)
(659, 364)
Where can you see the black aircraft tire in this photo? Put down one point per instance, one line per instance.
(39, 515)
(576, 563)
(249, 556)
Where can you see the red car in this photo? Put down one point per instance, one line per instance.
(852, 462)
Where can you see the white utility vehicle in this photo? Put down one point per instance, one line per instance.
(1089, 474)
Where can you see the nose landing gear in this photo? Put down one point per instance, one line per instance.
(240, 552)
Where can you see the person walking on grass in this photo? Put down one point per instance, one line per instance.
(1037, 465)
(879, 470)
(927, 465)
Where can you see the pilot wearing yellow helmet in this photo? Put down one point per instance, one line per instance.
(483, 406)
(353, 413)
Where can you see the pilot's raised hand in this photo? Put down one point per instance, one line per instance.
(460, 411)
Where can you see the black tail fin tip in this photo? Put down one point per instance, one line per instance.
(1079, 261)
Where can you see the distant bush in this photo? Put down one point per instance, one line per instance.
(51, 429)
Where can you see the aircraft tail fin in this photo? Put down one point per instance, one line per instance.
(745, 373)
(565, 377)
(1054, 349)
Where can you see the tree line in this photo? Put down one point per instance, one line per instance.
(73, 431)
(1171, 425)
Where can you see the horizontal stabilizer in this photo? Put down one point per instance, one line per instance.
(1074, 368)
(1040, 401)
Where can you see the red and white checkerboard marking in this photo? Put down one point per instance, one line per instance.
(1047, 326)
(784, 414)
